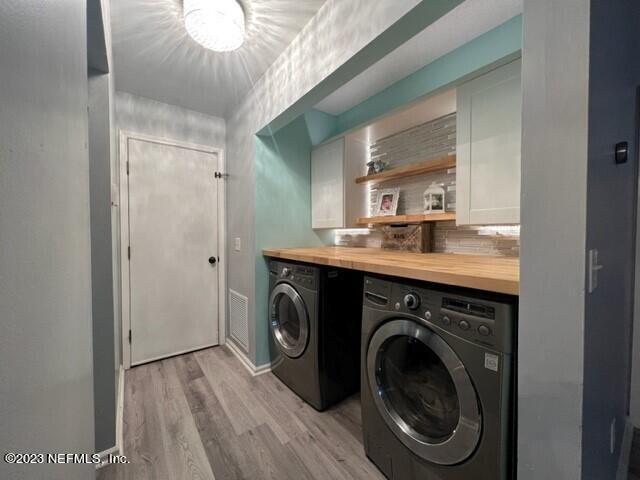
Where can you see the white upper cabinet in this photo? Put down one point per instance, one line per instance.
(327, 185)
(488, 148)
(336, 201)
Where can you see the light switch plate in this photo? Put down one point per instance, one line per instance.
(237, 244)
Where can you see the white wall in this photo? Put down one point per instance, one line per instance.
(149, 117)
(555, 75)
(46, 375)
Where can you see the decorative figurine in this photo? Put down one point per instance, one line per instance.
(434, 199)
(371, 167)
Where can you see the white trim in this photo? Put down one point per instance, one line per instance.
(104, 454)
(625, 451)
(118, 448)
(248, 364)
(222, 249)
(123, 189)
(120, 411)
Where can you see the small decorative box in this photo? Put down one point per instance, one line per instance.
(408, 238)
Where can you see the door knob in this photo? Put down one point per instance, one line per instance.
(212, 260)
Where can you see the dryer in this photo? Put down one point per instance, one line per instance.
(314, 320)
(437, 381)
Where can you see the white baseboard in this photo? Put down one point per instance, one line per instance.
(117, 449)
(120, 412)
(625, 451)
(248, 364)
(105, 454)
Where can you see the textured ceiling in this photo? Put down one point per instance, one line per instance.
(465, 22)
(155, 58)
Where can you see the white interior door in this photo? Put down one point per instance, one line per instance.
(173, 235)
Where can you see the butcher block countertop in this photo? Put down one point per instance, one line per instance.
(492, 274)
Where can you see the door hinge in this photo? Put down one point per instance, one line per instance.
(220, 175)
(129, 336)
(129, 252)
(127, 167)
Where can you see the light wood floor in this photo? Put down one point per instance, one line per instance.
(203, 416)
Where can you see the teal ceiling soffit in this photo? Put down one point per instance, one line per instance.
(413, 22)
(490, 49)
(320, 125)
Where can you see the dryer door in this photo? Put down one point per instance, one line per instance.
(289, 320)
(423, 392)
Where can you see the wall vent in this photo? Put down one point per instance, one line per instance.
(239, 318)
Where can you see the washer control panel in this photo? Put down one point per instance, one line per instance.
(479, 320)
(473, 316)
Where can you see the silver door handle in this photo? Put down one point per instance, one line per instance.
(594, 267)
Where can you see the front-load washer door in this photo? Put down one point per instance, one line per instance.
(423, 392)
(289, 320)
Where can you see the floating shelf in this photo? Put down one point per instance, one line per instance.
(415, 218)
(440, 163)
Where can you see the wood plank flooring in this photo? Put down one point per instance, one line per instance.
(203, 416)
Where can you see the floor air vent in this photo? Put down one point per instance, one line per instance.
(239, 318)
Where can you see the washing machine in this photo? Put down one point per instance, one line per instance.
(315, 323)
(438, 381)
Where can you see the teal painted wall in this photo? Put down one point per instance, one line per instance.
(283, 160)
(488, 48)
(283, 207)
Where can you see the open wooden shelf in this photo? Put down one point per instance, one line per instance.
(414, 218)
(440, 163)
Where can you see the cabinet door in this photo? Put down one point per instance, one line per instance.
(488, 147)
(327, 185)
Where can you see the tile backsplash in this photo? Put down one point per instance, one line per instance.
(426, 141)
(422, 142)
(499, 240)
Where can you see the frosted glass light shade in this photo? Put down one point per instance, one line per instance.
(215, 24)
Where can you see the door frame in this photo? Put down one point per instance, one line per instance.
(123, 262)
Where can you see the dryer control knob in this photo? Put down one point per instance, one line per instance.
(446, 320)
(464, 325)
(411, 301)
(427, 314)
(286, 272)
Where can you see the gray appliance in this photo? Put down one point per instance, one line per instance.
(437, 381)
(314, 318)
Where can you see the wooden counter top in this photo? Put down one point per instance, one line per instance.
(493, 274)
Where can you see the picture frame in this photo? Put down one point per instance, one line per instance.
(387, 202)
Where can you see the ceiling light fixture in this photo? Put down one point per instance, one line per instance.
(215, 24)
